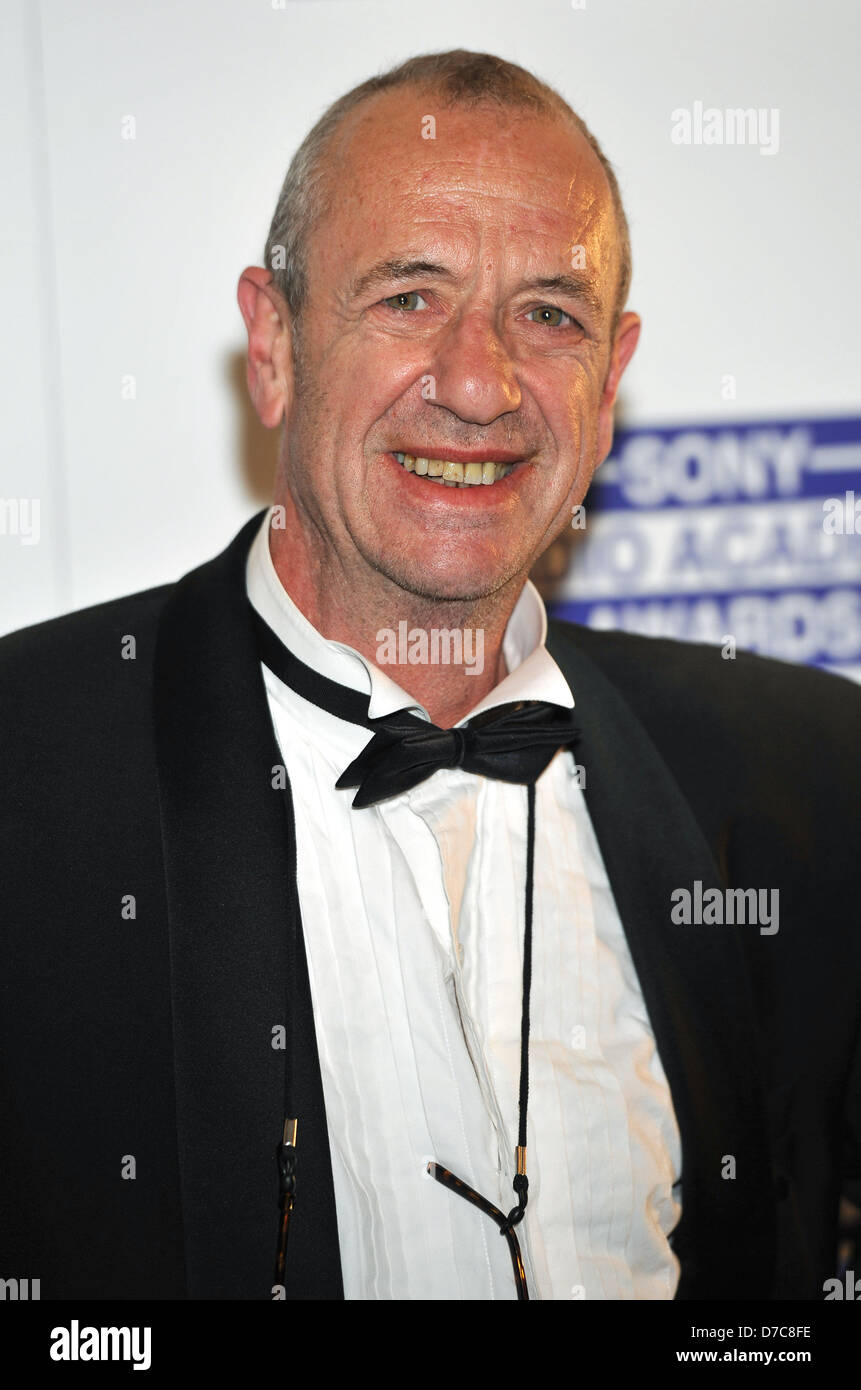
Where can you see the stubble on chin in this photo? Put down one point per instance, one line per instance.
(435, 590)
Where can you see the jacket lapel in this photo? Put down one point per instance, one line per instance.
(232, 905)
(694, 986)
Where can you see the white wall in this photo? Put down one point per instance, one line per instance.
(120, 257)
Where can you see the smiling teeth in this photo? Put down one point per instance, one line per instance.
(453, 474)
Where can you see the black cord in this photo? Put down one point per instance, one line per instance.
(527, 962)
(521, 1182)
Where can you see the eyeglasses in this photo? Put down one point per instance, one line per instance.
(505, 1223)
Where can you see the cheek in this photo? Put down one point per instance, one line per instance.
(364, 383)
(564, 401)
(388, 368)
(577, 406)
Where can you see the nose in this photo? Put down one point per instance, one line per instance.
(474, 374)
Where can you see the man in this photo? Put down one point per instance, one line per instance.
(291, 971)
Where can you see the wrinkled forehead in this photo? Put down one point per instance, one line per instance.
(402, 162)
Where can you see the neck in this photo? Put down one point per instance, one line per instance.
(446, 653)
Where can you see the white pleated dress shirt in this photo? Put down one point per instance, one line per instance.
(412, 915)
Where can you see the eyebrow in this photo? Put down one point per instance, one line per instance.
(572, 286)
(384, 272)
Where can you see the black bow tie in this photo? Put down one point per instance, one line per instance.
(511, 743)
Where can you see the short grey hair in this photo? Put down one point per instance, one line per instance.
(459, 78)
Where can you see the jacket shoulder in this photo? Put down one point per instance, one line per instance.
(695, 677)
(750, 727)
(67, 684)
(61, 647)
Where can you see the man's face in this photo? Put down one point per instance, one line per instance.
(446, 320)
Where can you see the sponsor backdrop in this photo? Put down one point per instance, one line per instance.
(746, 535)
(142, 153)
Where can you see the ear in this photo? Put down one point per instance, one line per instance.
(625, 340)
(269, 371)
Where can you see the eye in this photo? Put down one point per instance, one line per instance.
(551, 317)
(406, 300)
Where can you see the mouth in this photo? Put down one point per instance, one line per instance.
(455, 473)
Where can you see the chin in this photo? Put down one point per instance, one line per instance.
(447, 584)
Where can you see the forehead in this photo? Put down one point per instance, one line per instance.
(488, 171)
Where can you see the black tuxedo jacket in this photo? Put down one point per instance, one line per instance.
(142, 1044)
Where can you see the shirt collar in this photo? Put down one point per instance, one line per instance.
(533, 674)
